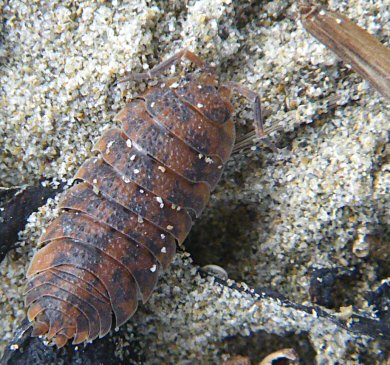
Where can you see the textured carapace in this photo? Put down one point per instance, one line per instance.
(120, 223)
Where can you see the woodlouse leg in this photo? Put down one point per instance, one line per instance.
(254, 98)
(161, 67)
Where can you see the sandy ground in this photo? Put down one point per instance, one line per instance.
(320, 203)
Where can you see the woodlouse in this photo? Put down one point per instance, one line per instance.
(120, 223)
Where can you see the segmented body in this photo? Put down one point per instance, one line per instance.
(133, 202)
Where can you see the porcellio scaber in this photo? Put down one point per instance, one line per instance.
(133, 203)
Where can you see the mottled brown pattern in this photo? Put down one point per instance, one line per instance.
(201, 94)
(135, 258)
(144, 203)
(82, 198)
(92, 325)
(130, 206)
(114, 277)
(188, 125)
(138, 167)
(85, 276)
(140, 128)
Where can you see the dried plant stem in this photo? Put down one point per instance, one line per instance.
(353, 44)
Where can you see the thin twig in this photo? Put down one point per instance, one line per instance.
(359, 325)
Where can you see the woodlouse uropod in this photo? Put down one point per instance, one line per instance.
(120, 223)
